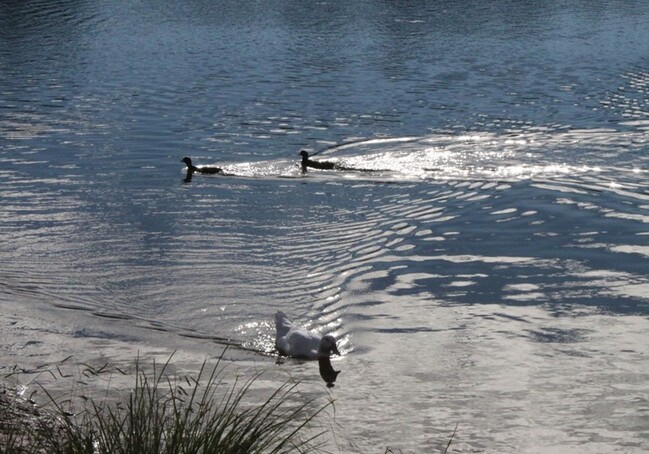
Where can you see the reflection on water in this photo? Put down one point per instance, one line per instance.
(327, 372)
(489, 272)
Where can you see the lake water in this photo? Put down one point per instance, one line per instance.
(491, 272)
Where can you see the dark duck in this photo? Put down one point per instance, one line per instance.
(322, 165)
(207, 170)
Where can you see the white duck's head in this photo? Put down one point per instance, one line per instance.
(327, 346)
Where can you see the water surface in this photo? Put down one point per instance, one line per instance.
(488, 268)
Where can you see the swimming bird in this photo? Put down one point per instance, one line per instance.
(298, 343)
(322, 165)
(202, 169)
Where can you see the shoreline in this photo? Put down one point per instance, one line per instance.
(22, 421)
(210, 408)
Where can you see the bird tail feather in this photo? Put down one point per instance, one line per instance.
(282, 323)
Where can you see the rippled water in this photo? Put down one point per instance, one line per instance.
(485, 265)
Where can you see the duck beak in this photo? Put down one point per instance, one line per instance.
(335, 350)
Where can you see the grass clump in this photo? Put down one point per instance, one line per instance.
(201, 414)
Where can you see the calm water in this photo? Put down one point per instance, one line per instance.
(491, 272)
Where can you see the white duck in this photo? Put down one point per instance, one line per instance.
(299, 343)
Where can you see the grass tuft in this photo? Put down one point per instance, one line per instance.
(162, 415)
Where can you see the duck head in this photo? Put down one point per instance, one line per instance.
(328, 346)
(304, 154)
(187, 161)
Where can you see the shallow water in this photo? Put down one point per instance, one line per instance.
(485, 265)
